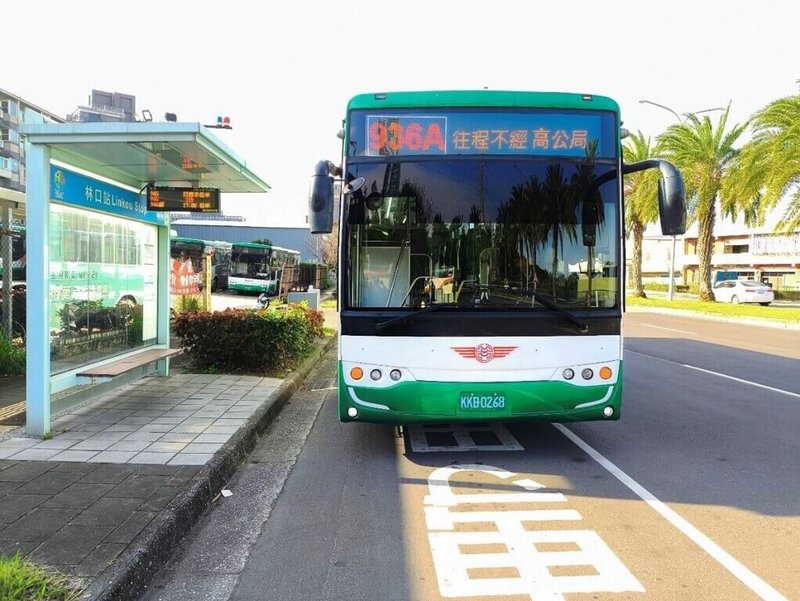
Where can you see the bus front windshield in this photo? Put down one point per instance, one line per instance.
(248, 263)
(492, 233)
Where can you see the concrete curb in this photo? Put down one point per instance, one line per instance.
(754, 321)
(130, 574)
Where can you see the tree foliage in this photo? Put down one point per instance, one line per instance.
(768, 167)
(705, 152)
(641, 201)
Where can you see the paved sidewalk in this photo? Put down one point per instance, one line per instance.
(180, 420)
(126, 476)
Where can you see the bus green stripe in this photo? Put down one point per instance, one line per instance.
(414, 402)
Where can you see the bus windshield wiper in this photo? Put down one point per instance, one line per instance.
(550, 304)
(379, 327)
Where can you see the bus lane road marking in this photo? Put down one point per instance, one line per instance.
(737, 569)
(511, 559)
(720, 375)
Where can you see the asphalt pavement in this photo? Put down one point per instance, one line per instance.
(109, 497)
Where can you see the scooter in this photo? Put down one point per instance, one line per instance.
(262, 302)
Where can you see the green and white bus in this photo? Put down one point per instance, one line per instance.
(257, 268)
(220, 252)
(481, 263)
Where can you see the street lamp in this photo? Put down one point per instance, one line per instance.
(666, 108)
(671, 293)
(677, 116)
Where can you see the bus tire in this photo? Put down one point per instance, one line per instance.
(125, 308)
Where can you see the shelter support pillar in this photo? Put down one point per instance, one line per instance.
(163, 330)
(38, 290)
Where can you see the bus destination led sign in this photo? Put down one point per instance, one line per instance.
(193, 200)
(498, 133)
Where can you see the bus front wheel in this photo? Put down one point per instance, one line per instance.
(125, 308)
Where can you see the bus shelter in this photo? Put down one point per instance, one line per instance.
(98, 264)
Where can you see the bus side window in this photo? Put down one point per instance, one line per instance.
(356, 215)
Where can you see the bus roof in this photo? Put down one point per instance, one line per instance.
(185, 240)
(251, 245)
(483, 98)
(288, 250)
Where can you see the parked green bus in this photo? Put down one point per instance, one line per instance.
(481, 263)
(257, 268)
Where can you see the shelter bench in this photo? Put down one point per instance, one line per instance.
(109, 371)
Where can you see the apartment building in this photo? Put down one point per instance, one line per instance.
(14, 111)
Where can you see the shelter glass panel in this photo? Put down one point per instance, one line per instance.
(102, 286)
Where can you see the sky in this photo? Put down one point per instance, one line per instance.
(283, 72)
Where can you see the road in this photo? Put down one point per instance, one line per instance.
(692, 495)
(224, 300)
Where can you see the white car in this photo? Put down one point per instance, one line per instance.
(743, 291)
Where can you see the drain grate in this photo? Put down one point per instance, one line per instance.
(461, 437)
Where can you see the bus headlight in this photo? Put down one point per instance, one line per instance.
(395, 374)
(568, 374)
(375, 374)
(587, 374)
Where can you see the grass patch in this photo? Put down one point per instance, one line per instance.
(328, 303)
(789, 315)
(23, 581)
(12, 357)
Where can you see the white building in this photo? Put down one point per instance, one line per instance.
(757, 253)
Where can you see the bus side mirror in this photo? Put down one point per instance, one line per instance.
(320, 200)
(671, 202)
(671, 194)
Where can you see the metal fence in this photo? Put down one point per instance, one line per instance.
(12, 294)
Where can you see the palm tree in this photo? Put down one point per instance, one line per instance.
(514, 216)
(641, 202)
(704, 153)
(591, 207)
(536, 230)
(769, 165)
(560, 206)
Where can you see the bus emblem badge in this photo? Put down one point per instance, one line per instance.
(483, 353)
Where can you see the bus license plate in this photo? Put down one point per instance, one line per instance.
(469, 402)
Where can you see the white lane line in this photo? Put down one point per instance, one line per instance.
(651, 325)
(720, 375)
(748, 578)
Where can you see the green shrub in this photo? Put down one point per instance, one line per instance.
(12, 357)
(189, 303)
(657, 287)
(236, 340)
(136, 325)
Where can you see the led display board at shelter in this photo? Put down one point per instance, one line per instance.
(193, 200)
